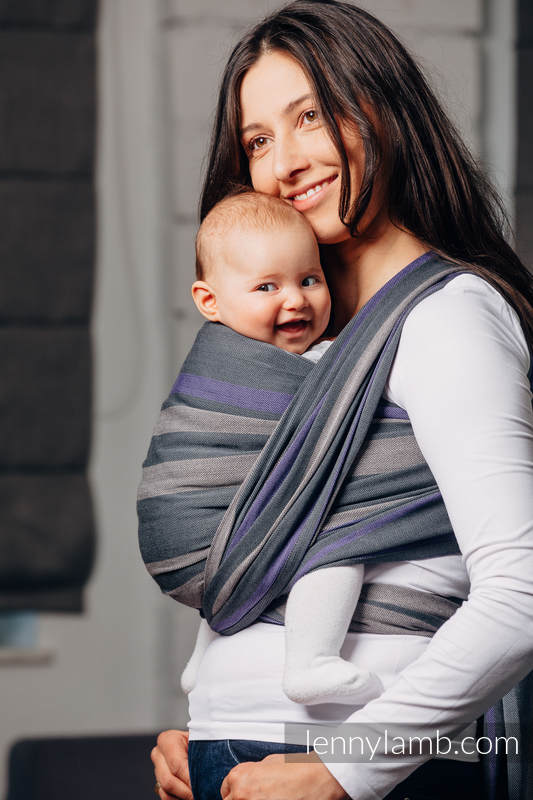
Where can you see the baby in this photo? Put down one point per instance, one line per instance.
(258, 272)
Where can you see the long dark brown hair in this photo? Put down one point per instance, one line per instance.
(434, 188)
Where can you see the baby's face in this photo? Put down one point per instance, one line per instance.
(270, 286)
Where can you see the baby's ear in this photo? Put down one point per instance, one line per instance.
(206, 301)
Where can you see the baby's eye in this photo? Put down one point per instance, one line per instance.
(310, 280)
(267, 287)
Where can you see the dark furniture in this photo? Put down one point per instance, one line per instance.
(85, 768)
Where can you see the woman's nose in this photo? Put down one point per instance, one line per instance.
(289, 158)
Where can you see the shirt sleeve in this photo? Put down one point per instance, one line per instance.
(461, 373)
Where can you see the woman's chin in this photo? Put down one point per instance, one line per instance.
(326, 224)
(331, 234)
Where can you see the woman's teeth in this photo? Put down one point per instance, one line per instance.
(312, 191)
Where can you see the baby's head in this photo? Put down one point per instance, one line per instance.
(258, 271)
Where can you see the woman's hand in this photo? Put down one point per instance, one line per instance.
(274, 778)
(171, 767)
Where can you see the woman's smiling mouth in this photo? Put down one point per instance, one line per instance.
(310, 195)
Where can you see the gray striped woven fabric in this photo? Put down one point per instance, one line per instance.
(264, 466)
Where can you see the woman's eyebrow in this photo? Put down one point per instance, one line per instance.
(287, 110)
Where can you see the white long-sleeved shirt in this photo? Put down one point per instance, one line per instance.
(461, 373)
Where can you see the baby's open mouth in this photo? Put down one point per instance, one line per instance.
(296, 326)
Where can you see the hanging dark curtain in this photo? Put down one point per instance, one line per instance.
(524, 130)
(47, 137)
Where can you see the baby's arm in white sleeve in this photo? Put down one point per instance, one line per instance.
(461, 374)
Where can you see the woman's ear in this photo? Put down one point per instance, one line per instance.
(206, 301)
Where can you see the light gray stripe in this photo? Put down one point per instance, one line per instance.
(191, 592)
(235, 576)
(217, 550)
(371, 352)
(340, 409)
(179, 562)
(388, 455)
(182, 419)
(355, 514)
(173, 476)
(391, 420)
(387, 609)
(383, 431)
(218, 544)
(511, 716)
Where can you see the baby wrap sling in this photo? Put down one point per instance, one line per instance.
(264, 466)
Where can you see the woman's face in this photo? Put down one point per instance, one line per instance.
(290, 152)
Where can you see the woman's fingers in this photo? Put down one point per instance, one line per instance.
(170, 786)
(246, 781)
(171, 769)
(231, 781)
(275, 778)
(174, 746)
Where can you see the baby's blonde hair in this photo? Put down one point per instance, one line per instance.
(245, 210)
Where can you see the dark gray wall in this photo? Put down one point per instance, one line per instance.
(524, 121)
(47, 108)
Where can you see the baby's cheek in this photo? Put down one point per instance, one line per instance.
(262, 178)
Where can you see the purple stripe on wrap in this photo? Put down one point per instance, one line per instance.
(490, 723)
(272, 483)
(239, 396)
(353, 427)
(274, 569)
(391, 516)
(369, 306)
(272, 573)
(263, 587)
(385, 411)
(270, 576)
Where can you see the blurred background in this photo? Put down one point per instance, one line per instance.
(105, 117)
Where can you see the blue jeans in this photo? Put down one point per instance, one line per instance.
(210, 762)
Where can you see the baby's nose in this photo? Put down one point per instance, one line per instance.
(295, 298)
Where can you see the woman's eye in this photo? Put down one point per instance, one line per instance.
(310, 116)
(309, 281)
(256, 144)
(266, 287)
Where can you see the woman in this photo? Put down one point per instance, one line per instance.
(322, 106)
